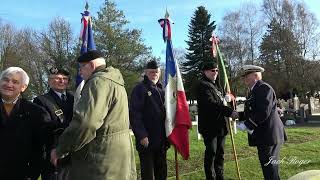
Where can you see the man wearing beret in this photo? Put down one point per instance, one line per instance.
(59, 104)
(147, 119)
(98, 137)
(212, 124)
(262, 121)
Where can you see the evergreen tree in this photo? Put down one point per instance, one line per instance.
(123, 48)
(280, 55)
(199, 50)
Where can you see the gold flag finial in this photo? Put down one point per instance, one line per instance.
(167, 14)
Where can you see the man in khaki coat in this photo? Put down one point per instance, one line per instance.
(98, 137)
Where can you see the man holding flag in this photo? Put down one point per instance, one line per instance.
(212, 124)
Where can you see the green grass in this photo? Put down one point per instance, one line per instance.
(303, 144)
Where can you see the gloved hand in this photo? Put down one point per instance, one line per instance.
(234, 115)
(228, 98)
(242, 127)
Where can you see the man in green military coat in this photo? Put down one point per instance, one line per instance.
(98, 137)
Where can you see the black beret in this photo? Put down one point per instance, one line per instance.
(55, 70)
(152, 65)
(209, 65)
(89, 56)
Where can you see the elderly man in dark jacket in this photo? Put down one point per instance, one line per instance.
(23, 127)
(147, 119)
(212, 123)
(262, 121)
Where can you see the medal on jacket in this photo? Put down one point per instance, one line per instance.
(149, 93)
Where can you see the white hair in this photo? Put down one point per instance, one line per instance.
(16, 70)
(100, 61)
(258, 75)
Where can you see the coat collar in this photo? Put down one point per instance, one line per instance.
(258, 83)
(205, 78)
(100, 68)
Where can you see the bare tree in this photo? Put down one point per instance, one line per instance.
(30, 58)
(233, 43)
(254, 27)
(306, 26)
(7, 45)
(57, 43)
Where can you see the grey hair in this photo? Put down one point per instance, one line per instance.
(100, 61)
(16, 70)
(258, 75)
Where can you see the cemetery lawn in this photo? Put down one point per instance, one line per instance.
(300, 153)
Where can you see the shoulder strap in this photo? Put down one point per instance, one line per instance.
(56, 109)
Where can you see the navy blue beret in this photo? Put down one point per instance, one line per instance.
(152, 65)
(89, 56)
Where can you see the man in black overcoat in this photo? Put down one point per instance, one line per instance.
(212, 124)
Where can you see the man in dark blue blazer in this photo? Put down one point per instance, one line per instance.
(59, 104)
(262, 121)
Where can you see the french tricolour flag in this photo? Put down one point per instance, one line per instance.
(177, 110)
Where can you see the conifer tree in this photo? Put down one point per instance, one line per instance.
(199, 50)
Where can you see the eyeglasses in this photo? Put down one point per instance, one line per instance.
(60, 78)
(214, 70)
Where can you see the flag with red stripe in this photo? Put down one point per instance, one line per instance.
(177, 111)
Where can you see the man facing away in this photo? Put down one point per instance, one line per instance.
(262, 121)
(98, 136)
(147, 119)
(212, 122)
(59, 103)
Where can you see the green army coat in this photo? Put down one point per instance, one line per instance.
(98, 136)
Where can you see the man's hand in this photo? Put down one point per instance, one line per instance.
(54, 157)
(234, 115)
(241, 126)
(144, 142)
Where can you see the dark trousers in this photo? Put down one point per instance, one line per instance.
(214, 157)
(269, 156)
(153, 164)
(55, 173)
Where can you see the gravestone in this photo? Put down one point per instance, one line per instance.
(314, 106)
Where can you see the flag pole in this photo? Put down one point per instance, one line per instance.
(176, 163)
(216, 52)
(234, 149)
(177, 112)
